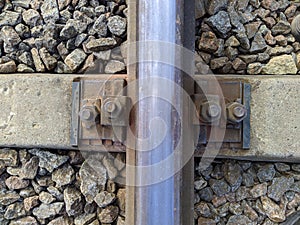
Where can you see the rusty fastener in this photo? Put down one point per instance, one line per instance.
(236, 112)
(210, 111)
(112, 107)
(88, 115)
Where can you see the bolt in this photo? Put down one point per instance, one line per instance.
(213, 111)
(86, 114)
(239, 111)
(110, 107)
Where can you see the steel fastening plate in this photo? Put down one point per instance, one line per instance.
(100, 114)
(224, 112)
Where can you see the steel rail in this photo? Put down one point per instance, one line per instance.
(155, 199)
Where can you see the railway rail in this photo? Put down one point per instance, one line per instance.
(229, 116)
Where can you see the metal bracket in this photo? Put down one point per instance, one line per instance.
(100, 114)
(227, 112)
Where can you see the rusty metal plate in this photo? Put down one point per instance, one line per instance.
(236, 133)
(93, 126)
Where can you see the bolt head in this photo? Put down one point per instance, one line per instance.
(110, 106)
(213, 111)
(86, 114)
(239, 111)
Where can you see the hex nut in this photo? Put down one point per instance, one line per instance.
(210, 111)
(236, 112)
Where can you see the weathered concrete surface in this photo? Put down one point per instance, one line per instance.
(275, 119)
(36, 112)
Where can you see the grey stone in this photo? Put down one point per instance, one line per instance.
(8, 197)
(75, 59)
(93, 178)
(218, 63)
(30, 168)
(206, 194)
(73, 201)
(85, 219)
(22, 30)
(279, 50)
(242, 193)
(282, 167)
(296, 167)
(266, 173)
(208, 42)
(100, 44)
(215, 6)
(22, 68)
(31, 202)
(72, 29)
(46, 197)
(15, 183)
(9, 18)
(104, 198)
(62, 68)
(252, 28)
(56, 193)
(200, 184)
(63, 175)
(259, 190)
(121, 200)
(220, 23)
(282, 27)
(231, 53)
(219, 187)
(233, 174)
(100, 26)
(108, 214)
(243, 39)
(63, 4)
(63, 220)
(45, 211)
(235, 19)
(117, 25)
(32, 17)
(49, 61)
(21, 3)
(248, 179)
(279, 186)
(48, 160)
(258, 44)
(49, 10)
(240, 220)
(284, 64)
(200, 9)
(8, 157)
(10, 37)
(28, 220)
(202, 209)
(79, 39)
(232, 42)
(8, 67)
(235, 208)
(14, 211)
(39, 66)
(62, 50)
(272, 210)
(263, 57)
(114, 66)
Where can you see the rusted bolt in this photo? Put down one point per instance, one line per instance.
(239, 111)
(213, 111)
(88, 115)
(112, 107)
(210, 111)
(236, 112)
